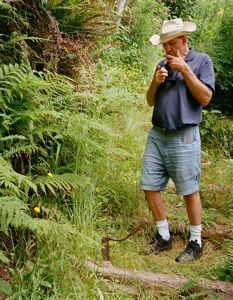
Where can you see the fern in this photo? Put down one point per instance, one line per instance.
(66, 183)
(83, 17)
(12, 182)
(12, 80)
(12, 211)
(17, 149)
(43, 129)
(46, 115)
(13, 137)
(15, 212)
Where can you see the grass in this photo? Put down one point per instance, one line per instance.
(129, 254)
(123, 202)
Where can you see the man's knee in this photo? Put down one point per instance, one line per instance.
(192, 196)
(149, 194)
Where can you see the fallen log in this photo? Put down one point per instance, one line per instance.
(152, 280)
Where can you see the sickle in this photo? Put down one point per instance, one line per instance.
(141, 223)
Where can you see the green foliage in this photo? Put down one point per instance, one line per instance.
(5, 288)
(14, 209)
(38, 107)
(51, 3)
(32, 281)
(66, 183)
(184, 9)
(31, 31)
(136, 49)
(222, 54)
(82, 18)
(8, 18)
(216, 131)
(12, 38)
(229, 265)
(187, 288)
(213, 36)
(226, 272)
(12, 182)
(41, 132)
(3, 257)
(145, 23)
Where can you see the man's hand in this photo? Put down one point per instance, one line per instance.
(199, 90)
(177, 62)
(160, 75)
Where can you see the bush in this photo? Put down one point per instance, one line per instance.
(217, 131)
(213, 36)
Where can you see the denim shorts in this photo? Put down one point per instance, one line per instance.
(174, 154)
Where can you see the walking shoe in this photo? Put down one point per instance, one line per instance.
(158, 244)
(192, 252)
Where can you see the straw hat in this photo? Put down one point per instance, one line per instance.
(171, 29)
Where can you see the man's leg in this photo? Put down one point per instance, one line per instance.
(163, 240)
(194, 209)
(156, 205)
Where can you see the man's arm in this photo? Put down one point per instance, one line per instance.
(158, 78)
(198, 89)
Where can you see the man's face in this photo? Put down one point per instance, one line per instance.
(171, 47)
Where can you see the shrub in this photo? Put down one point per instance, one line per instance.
(217, 131)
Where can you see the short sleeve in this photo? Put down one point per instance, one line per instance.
(206, 72)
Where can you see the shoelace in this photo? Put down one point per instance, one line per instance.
(194, 246)
(156, 238)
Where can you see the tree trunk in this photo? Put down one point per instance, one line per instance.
(120, 8)
(152, 280)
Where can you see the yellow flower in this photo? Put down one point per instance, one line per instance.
(37, 209)
(50, 174)
(97, 189)
(134, 181)
(124, 178)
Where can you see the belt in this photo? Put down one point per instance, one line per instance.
(168, 130)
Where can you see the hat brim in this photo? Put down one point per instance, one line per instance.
(188, 27)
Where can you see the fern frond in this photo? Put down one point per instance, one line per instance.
(12, 211)
(13, 182)
(20, 148)
(13, 137)
(15, 212)
(66, 182)
(12, 78)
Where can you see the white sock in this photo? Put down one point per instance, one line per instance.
(195, 233)
(162, 227)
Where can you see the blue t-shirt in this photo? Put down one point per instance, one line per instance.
(175, 107)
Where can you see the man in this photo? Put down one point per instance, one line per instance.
(182, 84)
